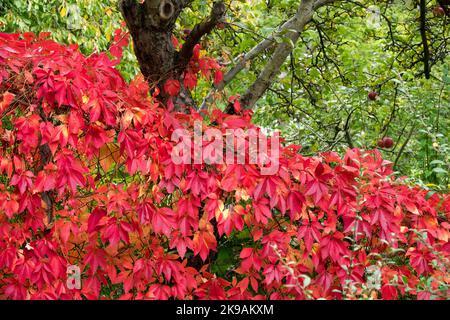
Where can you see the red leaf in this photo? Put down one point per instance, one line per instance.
(6, 101)
(389, 292)
(218, 77)
(163, 220)
(11, 208)
(94, 219)
(190, 80)
(236, 103)
(172, 87)
(262, 210)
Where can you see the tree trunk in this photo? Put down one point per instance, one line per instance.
(151, 25)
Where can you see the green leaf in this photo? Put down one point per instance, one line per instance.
(436, 162)
(439, 170)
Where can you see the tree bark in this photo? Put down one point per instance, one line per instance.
(423, 34)
(151, 25)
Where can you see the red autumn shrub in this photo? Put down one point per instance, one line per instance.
(87, 180)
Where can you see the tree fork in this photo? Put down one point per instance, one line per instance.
(151, 25)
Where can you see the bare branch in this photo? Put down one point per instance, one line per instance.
(402, 149)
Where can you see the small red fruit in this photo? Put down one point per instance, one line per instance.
(220, 26)
(438, 11)
(388, 142)
(380, 143)
(372, 95)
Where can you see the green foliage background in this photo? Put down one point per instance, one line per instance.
(320, 97)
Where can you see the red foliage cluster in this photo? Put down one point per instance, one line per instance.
(87, 179)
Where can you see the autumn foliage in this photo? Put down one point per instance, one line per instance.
(87, 179)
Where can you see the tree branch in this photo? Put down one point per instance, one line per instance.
(282, 51)
(198, 32)
(321, 3)
(45, 155)
(242, 62)
(423, 34)
(253, 53)
(291, 30)
(348, 136)
(400, 152)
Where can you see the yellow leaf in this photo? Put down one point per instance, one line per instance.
(220, 208)
(63, 11)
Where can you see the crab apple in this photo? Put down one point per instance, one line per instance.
(380, 143)
(388, 142)
(372, 95)
(220, 26)
(438, 11)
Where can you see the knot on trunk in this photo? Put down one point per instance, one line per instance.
(166, 9)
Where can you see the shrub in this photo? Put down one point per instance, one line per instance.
(87, 179)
